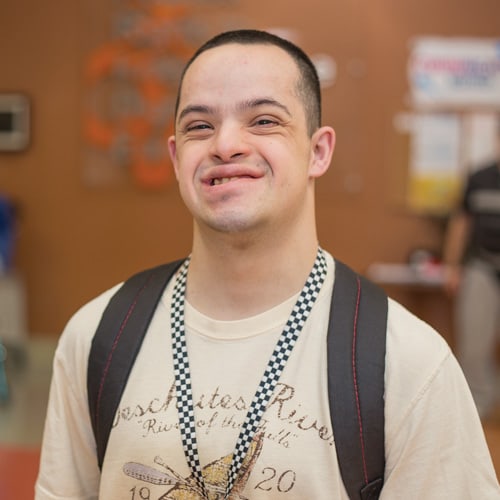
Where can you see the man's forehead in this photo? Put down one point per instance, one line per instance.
(242, 47)
(244, 54)
(247, 67)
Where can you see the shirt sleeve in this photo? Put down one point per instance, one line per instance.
(435, 444)
(68, 464)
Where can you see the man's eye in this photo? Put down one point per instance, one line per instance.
(197, 126)
(266, 121)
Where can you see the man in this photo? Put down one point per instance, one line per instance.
(472, 255)
(248, 147)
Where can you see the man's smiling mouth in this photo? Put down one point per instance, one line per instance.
(223, 180)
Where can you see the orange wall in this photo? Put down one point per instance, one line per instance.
(75, 241)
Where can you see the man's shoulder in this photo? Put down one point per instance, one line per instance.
(411, 329)
(414, 347)
(97, 304)
(83, 323)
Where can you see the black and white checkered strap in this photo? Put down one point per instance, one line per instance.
(275, 366)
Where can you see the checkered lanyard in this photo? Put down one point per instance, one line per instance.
(277, 362)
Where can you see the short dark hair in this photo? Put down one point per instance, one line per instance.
(308, 86)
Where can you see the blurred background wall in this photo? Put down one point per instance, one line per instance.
(78, 234)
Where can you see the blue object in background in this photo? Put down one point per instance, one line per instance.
(6, 254)
(7, 224)
(4, 386)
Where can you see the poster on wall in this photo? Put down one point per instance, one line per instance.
(435, 162)
(130, 85)
(480, 139)
(455, 72)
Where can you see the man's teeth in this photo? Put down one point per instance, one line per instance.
(221, 180)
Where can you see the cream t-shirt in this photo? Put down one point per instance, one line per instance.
(435, 447)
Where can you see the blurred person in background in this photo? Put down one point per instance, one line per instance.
(472, 259)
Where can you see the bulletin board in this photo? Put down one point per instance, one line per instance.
(130, 86)
(454, 119)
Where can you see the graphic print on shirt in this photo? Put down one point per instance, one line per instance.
(214, 474)
(284, 420)
(292, 430)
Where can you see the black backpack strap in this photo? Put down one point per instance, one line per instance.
(116, 343)
(356, 367)
(356, 364)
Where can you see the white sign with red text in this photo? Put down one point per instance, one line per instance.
(455, 72)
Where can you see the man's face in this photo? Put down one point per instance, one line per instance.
(241, 151)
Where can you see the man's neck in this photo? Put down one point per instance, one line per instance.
(232, 282)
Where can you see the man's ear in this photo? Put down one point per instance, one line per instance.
(172, 152)
(322, 146)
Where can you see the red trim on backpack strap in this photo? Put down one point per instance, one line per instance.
(113, 348)
(355, 378)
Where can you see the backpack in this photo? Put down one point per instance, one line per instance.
(356, 344)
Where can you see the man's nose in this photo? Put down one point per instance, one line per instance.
(229, 142)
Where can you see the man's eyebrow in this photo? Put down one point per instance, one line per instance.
(249, 104)
(264, 101)
(194, 108)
